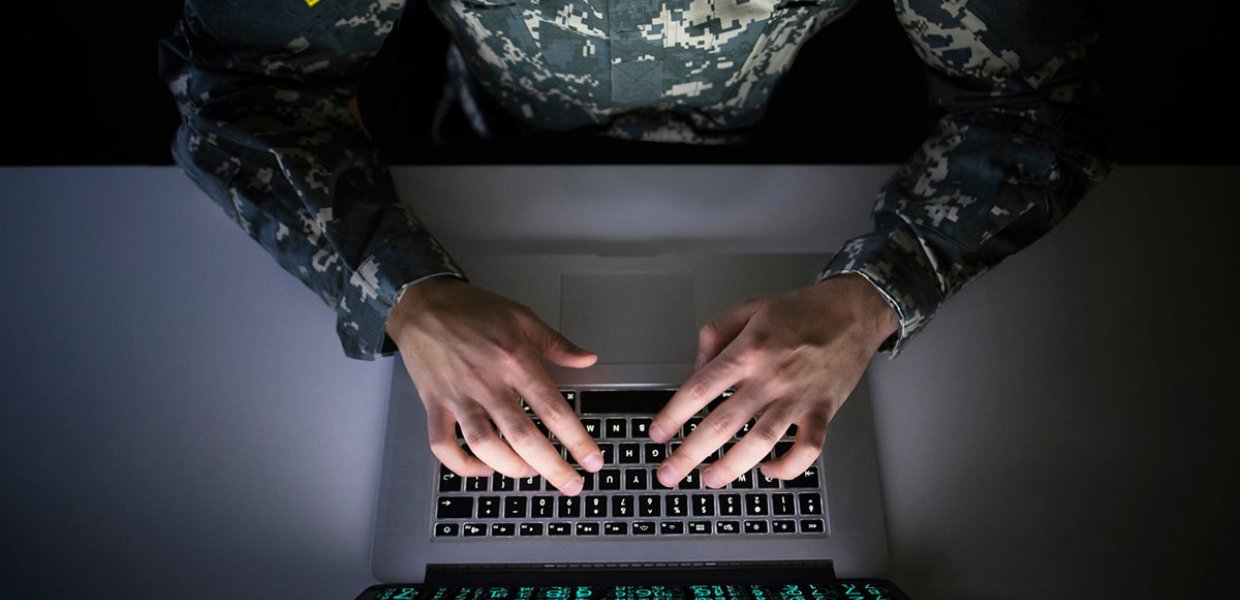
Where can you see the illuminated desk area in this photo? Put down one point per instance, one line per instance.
(178, 417)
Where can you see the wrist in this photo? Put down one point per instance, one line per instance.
(416, 298)
(875, 318)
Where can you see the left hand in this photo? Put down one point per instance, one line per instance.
(792, 358)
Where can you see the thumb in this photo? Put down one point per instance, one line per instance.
(557, 349)
(716, 335)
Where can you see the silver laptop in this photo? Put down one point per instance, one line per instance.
(640, 314)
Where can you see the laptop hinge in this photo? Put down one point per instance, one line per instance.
(608, 574)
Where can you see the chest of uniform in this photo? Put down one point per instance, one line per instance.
(608, 55)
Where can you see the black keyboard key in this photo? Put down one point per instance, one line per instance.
(596, 506)
(630, 454)
(609, 479)
(476, 484)
(559, 529)
(808, 479)
(447, 529)
(649, 505)
(689, 426)
(503, 529)
(692, 481)
(644, 528)
(609, 453)
(673, 447)
(488, 507)
(655, 453)
(676, 505)
(746, 428)
(671, 528)
(755, 526)
(781, 448)
(756, 505)
(475, 529)
(728, 527)
(570, 507)
(783, 526)
(641, 428)
(634, 479)
(622, 506)
(703, 505)
(542, 428)
(570, 396)
(767, 483)
(616, 529)
(559, 449)
(710, 458)
(530, 484)
(655, 484)
(542, 507)
(587, 481)
(729, 505)
(782, 504)
(586, 528)
(615, 429)
(726, 448)
(792, 431)
(811, 504)
(594, 427)
(454, 508)
(811, 526)
(744, 481)
(514, 507)
(499, 483)
(528, 529)
(699, 527)
(448, 481)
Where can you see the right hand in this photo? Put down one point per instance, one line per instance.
(472, 354)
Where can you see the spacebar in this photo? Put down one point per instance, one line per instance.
(624, 401)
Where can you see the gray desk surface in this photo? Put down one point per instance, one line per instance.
(176, 414)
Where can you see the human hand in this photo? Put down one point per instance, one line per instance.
(471, 354)
(792, 358)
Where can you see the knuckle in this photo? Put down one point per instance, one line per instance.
(480, 439)
(767, 433)
(722, 421)
(522, 433)
(556, 413)
(699, 388)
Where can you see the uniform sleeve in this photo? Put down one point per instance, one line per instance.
(1019, 139)
(263, 91)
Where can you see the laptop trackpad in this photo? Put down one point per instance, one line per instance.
(630, 318)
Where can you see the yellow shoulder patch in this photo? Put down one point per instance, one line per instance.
(311, 2)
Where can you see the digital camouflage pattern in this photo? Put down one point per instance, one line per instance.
(263, 90)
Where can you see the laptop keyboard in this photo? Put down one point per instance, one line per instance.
(625, 498)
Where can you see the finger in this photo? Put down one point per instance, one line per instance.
(558, 416)
(713, 337)
(811, 434)
(481, 438)
(716, 429)
(441, 430)
(531, 445)
(555, 347)
(755, 446)
(696, 392)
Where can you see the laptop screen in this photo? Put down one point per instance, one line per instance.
(843, 589)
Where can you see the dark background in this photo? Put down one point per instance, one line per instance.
(82, 88)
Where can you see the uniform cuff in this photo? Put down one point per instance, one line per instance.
(376, 286)
(903, 272)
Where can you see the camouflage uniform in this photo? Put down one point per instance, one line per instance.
(263, 90)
